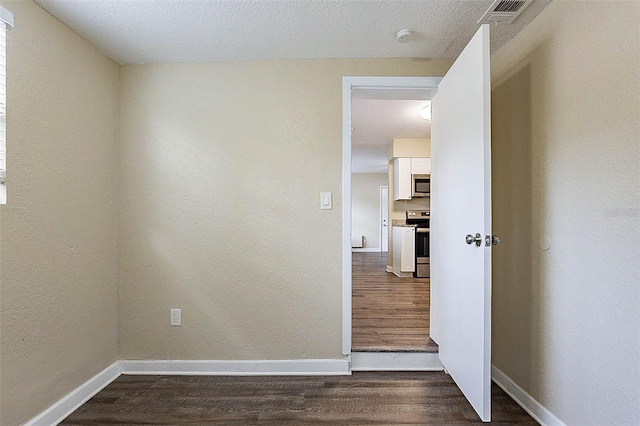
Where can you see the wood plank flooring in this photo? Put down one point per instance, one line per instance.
(389, 313)
(430, 398)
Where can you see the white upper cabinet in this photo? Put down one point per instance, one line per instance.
(402, 179)
(421, 166)
(403, 168)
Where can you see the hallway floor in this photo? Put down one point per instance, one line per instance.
(389, 313)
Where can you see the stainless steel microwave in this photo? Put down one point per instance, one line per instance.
(420, 185)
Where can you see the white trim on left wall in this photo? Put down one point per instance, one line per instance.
(289, 367)
(74, 399)
(346, 215)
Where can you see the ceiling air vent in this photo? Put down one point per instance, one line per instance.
(504, 11)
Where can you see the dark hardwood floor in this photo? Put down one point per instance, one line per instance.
(430, 398)
(389, 314)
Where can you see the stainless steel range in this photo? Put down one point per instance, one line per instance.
(421, 219)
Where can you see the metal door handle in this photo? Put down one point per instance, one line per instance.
(470, 239)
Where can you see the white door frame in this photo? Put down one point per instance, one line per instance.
(348, 84)
(384, 208)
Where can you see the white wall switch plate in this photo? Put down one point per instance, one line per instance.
(176, 317)
(325, 201)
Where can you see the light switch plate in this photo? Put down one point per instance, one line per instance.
(325, 201)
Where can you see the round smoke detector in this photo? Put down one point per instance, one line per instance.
(404, 36)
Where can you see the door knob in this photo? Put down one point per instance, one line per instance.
(470, 239)
(495, 240)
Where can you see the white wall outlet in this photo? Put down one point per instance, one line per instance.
(176, 317)
(325, 201)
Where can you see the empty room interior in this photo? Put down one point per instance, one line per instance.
(202, 222)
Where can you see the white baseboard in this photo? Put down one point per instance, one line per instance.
(526, 401)
(67, 405)
(395, 361)
(366, 249)
(402, 274)
(295, 367)
(389, 268)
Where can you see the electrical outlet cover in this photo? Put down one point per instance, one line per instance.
(176, 316)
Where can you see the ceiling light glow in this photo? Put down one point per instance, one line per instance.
(425, 112)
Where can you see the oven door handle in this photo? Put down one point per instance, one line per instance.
(422, 230)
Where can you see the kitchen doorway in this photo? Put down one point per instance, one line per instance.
(389, 321)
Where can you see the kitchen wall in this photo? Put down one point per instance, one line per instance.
(220, 170)
(410, 147)
(365, 206)
(566, 102)
(58, 244)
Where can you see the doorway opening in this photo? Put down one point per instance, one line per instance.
(388, 315)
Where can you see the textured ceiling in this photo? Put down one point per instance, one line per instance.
(375, 123)
(155, 31)
(158, 31)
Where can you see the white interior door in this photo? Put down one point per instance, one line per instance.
(384, 218)
(461, 205)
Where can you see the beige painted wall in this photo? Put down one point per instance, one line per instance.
(58, 246)
(566, 154)
(221, 166)
(410, 147)
(365, 206)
